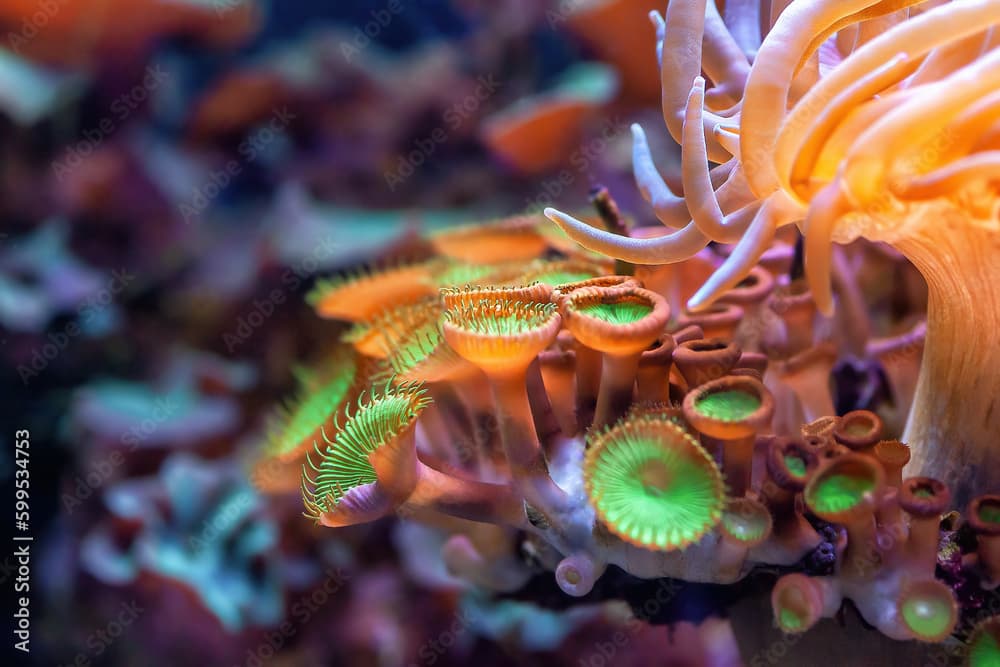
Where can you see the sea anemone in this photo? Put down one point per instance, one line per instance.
(568, 272)
(859, 430)
(534, 133)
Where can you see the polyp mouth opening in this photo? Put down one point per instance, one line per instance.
(706, 345)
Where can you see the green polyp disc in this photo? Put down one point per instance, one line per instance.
(796, 465)
(930, 615)
(745, 526)
(623, 312)
(989, 512)
(653, 485)
(839, 492)
(793, 610)
(984, 647)
(729, 406)
(318, 403)
(790, 620)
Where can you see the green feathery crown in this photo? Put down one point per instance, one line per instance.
(321, 395)
(499, 317)
(400, 318)
(343, 462)
(422, 345)
(652, 484)
(461, 273)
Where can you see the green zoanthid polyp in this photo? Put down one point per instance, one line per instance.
(732, 405)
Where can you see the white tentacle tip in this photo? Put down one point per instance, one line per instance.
(699, 302)
(560, 218)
